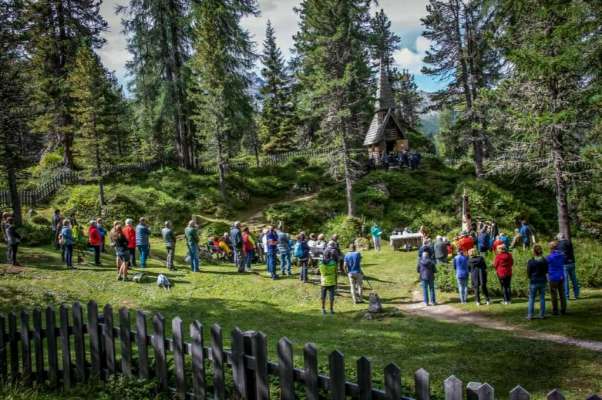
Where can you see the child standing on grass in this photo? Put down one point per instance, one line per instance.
(328, 278)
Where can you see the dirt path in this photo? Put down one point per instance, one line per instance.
(254, 217)
(454, 315)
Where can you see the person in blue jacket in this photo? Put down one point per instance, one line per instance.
(143, 241)
(556, 278)
(66, 238)
(526, 233)
(461, 267)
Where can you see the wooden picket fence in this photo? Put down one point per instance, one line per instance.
(74, 349)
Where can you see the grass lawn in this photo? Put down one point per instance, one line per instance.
(288, 308)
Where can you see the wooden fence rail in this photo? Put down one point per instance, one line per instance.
(70, 349)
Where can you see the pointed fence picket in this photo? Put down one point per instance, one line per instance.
(36, 350)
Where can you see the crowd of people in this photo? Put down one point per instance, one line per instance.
(555, 271)
(403, 159)
(275, 247)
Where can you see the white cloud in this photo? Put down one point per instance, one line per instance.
(410, 59)
(404, 14)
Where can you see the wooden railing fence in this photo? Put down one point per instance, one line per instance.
(70, 349)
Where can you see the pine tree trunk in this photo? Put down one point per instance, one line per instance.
(220, 167)
(477, 145)
(101, 188)
(348, 177)
(14, 192)
(562, 204)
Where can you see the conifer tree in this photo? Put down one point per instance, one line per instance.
(158, 39)
(383, 42)
(221, 64)
(461, 53)
(56, 28)
(332, 51)
(276, 130)
(93, 96)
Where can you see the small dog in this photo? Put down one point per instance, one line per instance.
(163, 282)
(138, 278)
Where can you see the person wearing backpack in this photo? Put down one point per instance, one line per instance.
(426, 269)
(328, 278)
(284, 250)
(248, 248)
(130, 234)
(271, 239)
(301, 253)
(169, 238)
(192, 242)
(66, 242)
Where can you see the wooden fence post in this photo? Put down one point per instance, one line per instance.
(93, 333)
(160, 356)
(286, 369)
(238, 363)
(250, 379)
(217, 354)
(472, 390)
(423, 385)
(260, 352)
(593, 397)
(178, 356)
(198, 360)
(38, 345)
(555, 395)
(453, 388)
(53, 358)
(336, 363)
(485, 392)
(518, 393)
(14, 346)
(3, 355)
(25, 348)
(79, 342)
(142, 345)
(364, 378)
(125, 341)
(392, 382)
(65, 346)
(109, 339)
(310, 375)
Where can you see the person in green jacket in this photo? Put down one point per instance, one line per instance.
(169, 237)
(376, 233)
(192, 241)
(328, 279)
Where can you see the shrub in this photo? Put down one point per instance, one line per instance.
(347, 229)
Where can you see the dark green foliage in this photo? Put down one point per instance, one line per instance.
(346, 228)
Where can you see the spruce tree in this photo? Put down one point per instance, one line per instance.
(551, 99)
(332, 51)
(407, 98)
(56, 28)
(461, 52)
(159, 39)
(93, 97)
(276, 117)
(221, 64)
(383, 42)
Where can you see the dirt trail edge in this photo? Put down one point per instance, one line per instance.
(454, 315)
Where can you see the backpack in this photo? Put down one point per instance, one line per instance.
(163, 282)
(298, 250)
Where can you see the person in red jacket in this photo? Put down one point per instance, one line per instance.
(465, 243)
(503, 267)
(95, 241)
(130, 234)
(497, 243)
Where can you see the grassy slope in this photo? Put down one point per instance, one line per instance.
(287, 308)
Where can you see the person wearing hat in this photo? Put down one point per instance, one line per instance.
(236, 242)
(503, 267)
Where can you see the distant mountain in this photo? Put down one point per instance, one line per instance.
(429, 120)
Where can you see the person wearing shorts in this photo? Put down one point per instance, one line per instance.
(328, 279)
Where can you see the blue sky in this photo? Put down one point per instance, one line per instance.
(404, 14)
